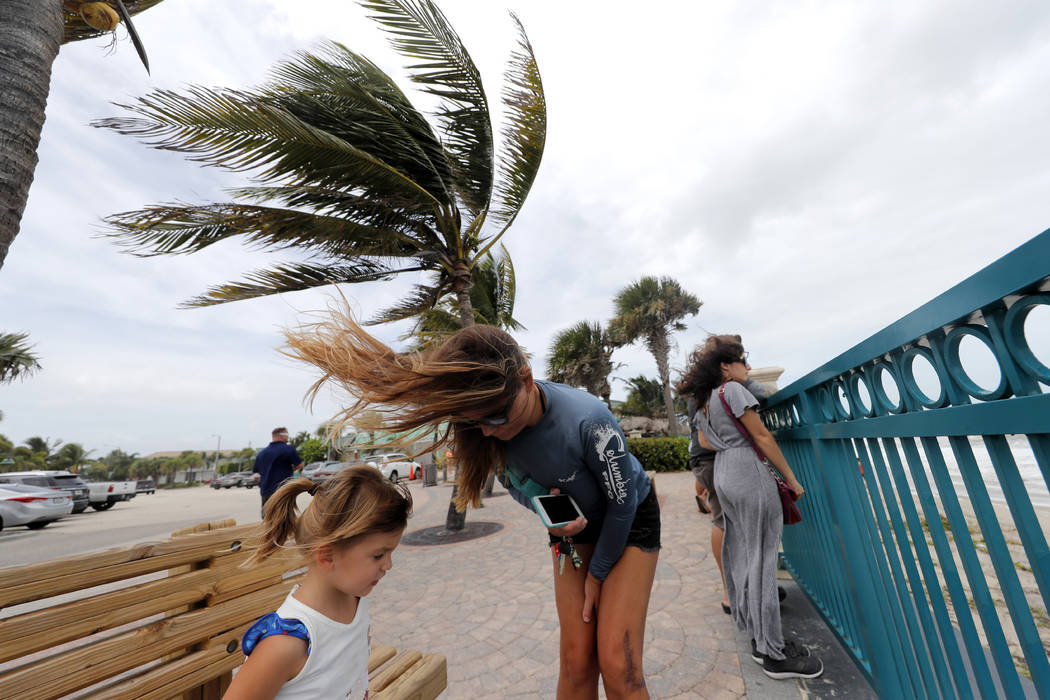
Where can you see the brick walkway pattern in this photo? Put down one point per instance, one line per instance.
(488, 604)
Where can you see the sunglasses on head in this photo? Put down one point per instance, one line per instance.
(493, 420)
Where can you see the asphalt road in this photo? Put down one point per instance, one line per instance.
(143, 518)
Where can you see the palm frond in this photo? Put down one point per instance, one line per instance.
(421, 300)
(421, 32)
(239, 131)
(177, 229)
(524, 134)
(365, 100)
(292, 277)
(327, 201)
(508, 285)
(17, 359)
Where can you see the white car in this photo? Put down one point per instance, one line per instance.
(32, 506)
(396, 465)
(321, 471)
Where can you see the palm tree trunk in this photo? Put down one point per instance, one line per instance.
(660, 347)
(30, 36)
(455, 520)
(461, 285)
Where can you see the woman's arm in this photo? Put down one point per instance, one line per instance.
(703, 440)
(768, 445)
(273, 662)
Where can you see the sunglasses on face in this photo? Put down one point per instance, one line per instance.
(493, 420)
(742, 358)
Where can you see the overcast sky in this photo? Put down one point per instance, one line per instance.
(811, 170)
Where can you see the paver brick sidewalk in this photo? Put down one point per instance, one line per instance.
(488, 604)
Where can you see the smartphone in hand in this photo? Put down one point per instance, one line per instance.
(556, 510)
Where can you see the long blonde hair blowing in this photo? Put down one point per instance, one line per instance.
(356, 501)
(478, 368)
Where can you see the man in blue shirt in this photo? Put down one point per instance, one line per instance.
(275, 464)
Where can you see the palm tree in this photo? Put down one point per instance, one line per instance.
(70, 456)
(645, 397)
(31, 32)
(347, 170)
(651, 309)
(17, 360)
(491, 298)
(581, 355)
(42, 446)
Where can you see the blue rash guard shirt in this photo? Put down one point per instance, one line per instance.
(578, 448)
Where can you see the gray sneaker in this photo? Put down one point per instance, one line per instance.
(797, 663)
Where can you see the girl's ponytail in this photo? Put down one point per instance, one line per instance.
(279, 519)
(355, 502)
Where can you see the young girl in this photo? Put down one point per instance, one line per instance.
(751, 509)
(316, 644)
(539, 437)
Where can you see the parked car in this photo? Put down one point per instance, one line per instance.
(250, 481)
(319, 471)
(145, 486)
(53, 479)
(395, 465)
(105, 494)
(228, 481)
(32, 506)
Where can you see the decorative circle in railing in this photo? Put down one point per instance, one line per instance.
(858, 386)
(1017, 335)
(841, 401)
(919, 360)
(824, 403)
(973, 343)
(886, 393)
(795, 413)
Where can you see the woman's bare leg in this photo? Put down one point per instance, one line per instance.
(622, 609)
(578, 671)
(717, 535)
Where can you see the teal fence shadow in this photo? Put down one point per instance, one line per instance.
(928, 494)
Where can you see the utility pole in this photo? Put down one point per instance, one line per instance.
(218, 448)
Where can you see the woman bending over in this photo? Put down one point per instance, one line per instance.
(538, 437)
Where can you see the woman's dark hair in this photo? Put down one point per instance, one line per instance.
(477, 369)
(704, 372)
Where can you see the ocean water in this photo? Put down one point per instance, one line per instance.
(1023, 455)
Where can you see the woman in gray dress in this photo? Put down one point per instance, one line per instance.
(751, 507)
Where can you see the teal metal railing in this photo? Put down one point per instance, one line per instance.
(928, 493)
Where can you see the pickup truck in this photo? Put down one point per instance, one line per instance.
(103, 494)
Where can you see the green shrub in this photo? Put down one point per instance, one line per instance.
(661, 454)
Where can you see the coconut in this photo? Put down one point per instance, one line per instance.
(100, 16)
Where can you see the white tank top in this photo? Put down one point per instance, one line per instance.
(337, 667)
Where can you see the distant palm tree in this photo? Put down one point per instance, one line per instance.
(17, 360)
(42, 446)
(31, 32)
(645, 397)
(347, 170)
(491, 298)
(70, 455)
(581, 355)
(651, 309)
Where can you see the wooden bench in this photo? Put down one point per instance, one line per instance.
(159, 620)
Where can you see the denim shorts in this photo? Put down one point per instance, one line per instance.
(645, 528)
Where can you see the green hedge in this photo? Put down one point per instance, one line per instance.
(661, 454)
